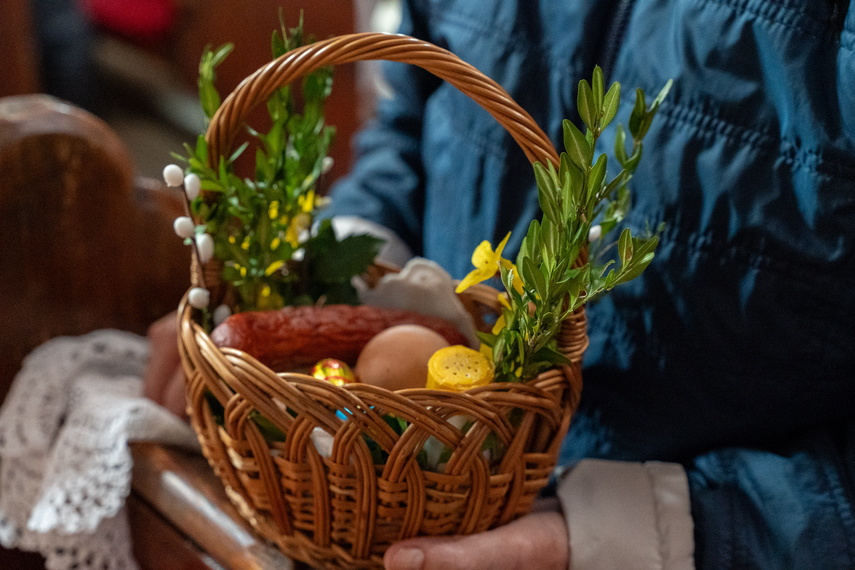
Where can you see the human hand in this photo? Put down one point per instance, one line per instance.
(537, 540)
(164, 376)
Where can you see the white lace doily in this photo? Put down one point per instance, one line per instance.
(65, 466)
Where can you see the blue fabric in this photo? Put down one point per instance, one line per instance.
(734, 352)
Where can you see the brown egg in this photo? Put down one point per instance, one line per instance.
(397, 357)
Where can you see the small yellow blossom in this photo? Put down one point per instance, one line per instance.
(272, 268)
(297, 227)
(273, 210)
(274, 243)
(306, 201)
(245, 245)
(487, 263)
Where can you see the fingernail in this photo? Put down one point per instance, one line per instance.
(407, 559)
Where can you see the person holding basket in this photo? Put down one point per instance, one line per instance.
(716, 427)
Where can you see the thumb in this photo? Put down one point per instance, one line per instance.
(537, 540)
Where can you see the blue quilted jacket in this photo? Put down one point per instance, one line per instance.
(734, 353)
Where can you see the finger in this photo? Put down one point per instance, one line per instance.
(174, 399)
(535, 541)
(163, 357)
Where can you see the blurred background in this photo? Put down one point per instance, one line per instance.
(134, 63)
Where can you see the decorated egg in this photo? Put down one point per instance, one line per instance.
(333, 371)
(458, 368)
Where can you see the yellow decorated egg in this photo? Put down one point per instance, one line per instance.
(333, 371)
(458, 368)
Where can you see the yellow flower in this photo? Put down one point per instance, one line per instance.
(272, 268)
(269, 299)
(273, 210)
(306, 201)
(298, 226)
(487, 263)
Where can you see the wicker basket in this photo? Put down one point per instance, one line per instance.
(343, 510)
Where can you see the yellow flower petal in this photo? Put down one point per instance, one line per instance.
(500, 324)
(292, 236)
(486, 262)
(273, 267)
(306, 201)
(502, 244)
(475, 276)
(483, 255)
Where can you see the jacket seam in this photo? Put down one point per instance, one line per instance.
(708, 125)
(782, 15)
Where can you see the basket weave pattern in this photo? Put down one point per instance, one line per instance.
(344, 510)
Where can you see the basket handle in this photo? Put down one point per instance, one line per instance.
(258, 87)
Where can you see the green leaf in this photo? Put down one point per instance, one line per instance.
(549, 355)
(611, 103)
(546, 195)
(238, 151)
(547, 242)
(597, 87)
(586, 105)
(632, 162)
(617, 182)
(277, 45)
(620, 145)
(341, 260)
(637, 114)
(660, 97)
(221, 53)
(530, 241)
(596, 177)
(533, 277)
(642, 260)
(209, 98)
(572, 198)
(625, 247)
(578, 149)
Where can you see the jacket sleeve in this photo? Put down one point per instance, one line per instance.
(386, 184)
(791, 507)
